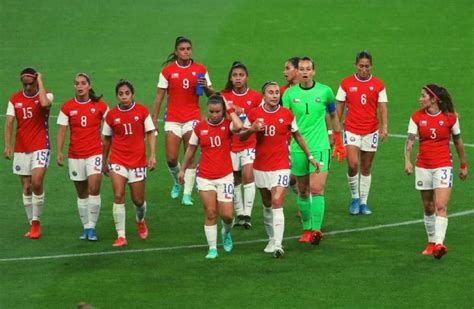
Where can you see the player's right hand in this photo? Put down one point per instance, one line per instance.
(463, 173)
(60, 159)
(257, 126)
(408, 168)
(8, 153)
(105, 169)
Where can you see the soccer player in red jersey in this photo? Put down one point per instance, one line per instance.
(125, 128)
(434, 124)
(271, 123)
(362, 94)
(181, 79)
(30, 108)
(215, 185)
(83, 114)
(243, 99)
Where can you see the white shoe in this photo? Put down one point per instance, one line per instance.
(270, 246)
(278, 252)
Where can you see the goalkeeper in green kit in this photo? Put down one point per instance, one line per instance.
(309, 101)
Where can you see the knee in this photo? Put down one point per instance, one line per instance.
(138, 201)
(211, 215)
(119, 197)
(36, 187)
(277, 202)
(353, 168)
(94, 190)
(440, 207)
(317, 189)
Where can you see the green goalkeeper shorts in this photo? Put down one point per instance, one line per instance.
(300, 165)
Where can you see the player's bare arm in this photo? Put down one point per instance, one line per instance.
(383, 111)
(408, 149)
(8, 153)
(459, 145)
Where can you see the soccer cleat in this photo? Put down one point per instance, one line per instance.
(187, 200)
(142, 230)
(175, 190)
(226, 241)
(316, 237)
(278, 252)
(35, 231)
(247, 224)
(92, 236)
(240, 221)
(429, 249)
(270, 246)
(85, 234)
(364, 209)
(354, 206)
(306, 237)
(439, 250)
(27, 234)
(212, 254)
(120, 242)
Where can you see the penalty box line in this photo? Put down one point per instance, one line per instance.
(363, 229)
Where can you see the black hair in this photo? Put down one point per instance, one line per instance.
(235, 65)
(92, 95)
(172, 57)
(216, 98)
(124, 82)
(294, 61)
(440, 93)
(306, 58)
(28, 70)
(363, 55)
(268, 83)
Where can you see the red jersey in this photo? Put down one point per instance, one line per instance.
(128, 128)
(180, 82)
(246, 101)
(32, 131)
(272, 151)
(434, 132)
(215, 143)
(362, 98)
(84, 120)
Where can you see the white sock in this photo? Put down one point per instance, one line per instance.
(94, 210)
(430, 227)
(364, 188)
(174, 171)
(268, 221)
(82, 204)
(441, 225)
(354, 185)
(189, 177)
(278, 225)
(118, 211)
(227, 227)
(238, 204)
(249, 197)
(37, 201)
(28, 207)
(211, 235)
(140, 212)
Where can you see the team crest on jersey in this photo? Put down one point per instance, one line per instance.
(423, 123)
(371, 88)
(194, 73)
(92, 110)
(73, 113)
(18, 105)
(318, 100)
(117, 120)
(174, 75)
(249, 102)
(441, 122)
(36, 101)
(204, 132)
(222, 128)
(136, 118)
(353, 89)
(296, 100)
(281, 120)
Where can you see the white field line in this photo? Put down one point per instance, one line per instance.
(363, 229)
(390, 135)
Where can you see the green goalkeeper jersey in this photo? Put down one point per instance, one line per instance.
(309, 108)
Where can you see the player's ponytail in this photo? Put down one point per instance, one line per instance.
(236, 65)
(172, 57)
(441, 94)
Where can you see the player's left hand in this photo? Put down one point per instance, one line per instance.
(8, 152)
(202, 82)
(339, 149)
(152, 163)
(463, 173)
(383, 133)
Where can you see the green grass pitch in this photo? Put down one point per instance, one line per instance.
(413, 43)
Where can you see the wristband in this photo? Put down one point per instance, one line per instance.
(310, 157)
(231, 110)
(330, 132)
(463, 165)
